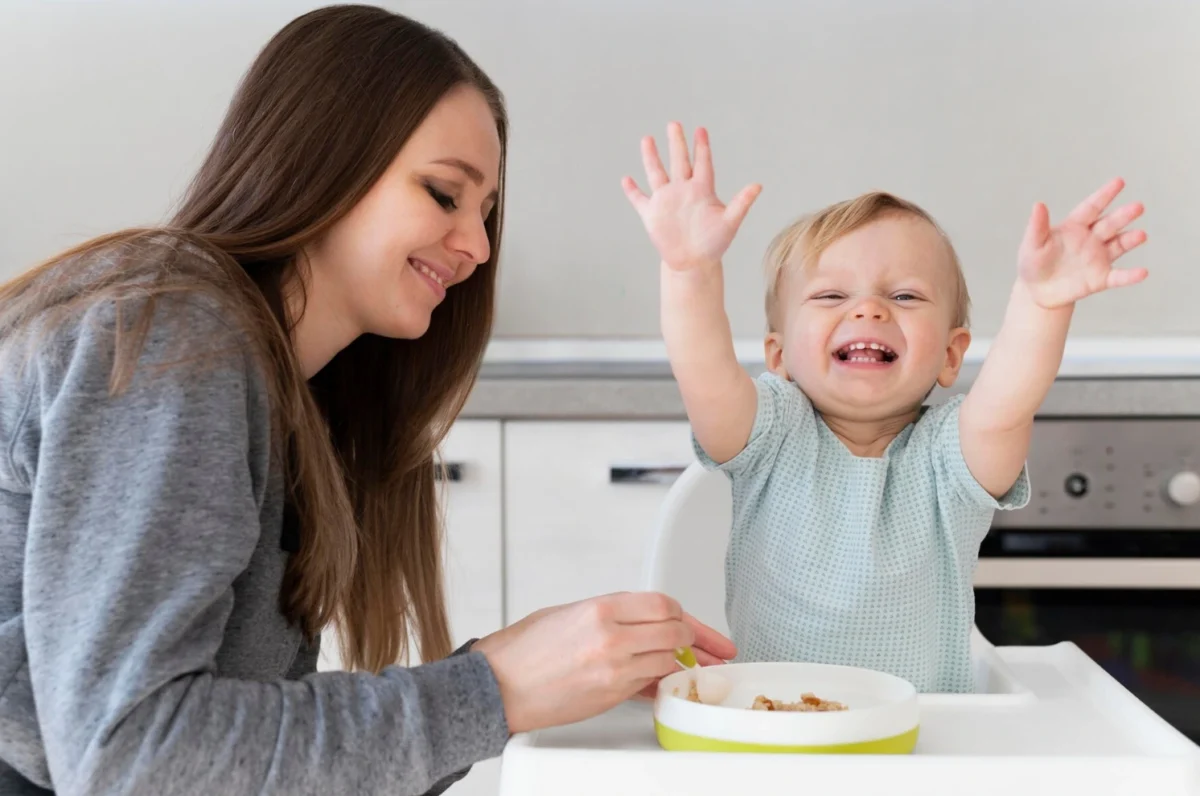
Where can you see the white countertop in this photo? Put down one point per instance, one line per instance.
(1084, 356)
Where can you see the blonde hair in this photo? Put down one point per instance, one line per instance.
(802, 242)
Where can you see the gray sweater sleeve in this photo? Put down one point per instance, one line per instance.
(143, 513)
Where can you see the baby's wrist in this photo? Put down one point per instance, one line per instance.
(692, 266)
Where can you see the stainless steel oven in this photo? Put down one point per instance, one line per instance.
(1106, 555)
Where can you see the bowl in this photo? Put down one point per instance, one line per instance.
(882, 715)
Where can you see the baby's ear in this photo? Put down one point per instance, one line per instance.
(956, 351)
(773, 348)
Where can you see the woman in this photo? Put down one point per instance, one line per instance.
(218, 436)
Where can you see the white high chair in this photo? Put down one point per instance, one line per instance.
(685, 558)
(686, 554)
(1079, 732)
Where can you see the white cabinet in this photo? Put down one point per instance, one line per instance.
(580, 501)
(474, 555)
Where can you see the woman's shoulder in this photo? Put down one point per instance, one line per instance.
(155, 299)
(128, 347)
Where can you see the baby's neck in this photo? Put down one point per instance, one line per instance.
(869, 438)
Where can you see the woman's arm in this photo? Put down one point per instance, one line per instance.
(143, 514)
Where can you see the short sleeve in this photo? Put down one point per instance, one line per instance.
(782, 410)
(950, 467)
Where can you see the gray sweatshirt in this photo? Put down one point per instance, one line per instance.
(141, 645)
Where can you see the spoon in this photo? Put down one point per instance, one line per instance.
(711, 687)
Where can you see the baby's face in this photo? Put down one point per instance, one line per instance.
(868, 330)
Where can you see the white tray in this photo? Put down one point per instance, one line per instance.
(1055, 722)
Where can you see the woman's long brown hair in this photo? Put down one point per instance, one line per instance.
(320, 115)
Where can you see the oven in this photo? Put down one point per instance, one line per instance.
(1106, 555)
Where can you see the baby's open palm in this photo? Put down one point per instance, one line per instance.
(686, 221)
(1063, 264)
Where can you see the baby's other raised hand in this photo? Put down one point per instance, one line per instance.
(686, 221)
(1063, 264)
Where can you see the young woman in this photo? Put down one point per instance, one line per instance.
(217, 436)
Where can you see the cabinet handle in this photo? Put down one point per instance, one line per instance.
(650, 474)
(453, 472)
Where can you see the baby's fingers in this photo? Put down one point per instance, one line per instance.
(1125, 242)
(652, 163)
(634, 194)
(1124, 277)
(739, 206)
(1110, 225)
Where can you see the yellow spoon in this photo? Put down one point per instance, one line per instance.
(711, 688)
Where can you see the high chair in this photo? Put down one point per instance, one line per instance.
(686, 554)
(685, 558)
(1042, 719)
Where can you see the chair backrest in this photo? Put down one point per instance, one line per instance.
(686, 554)
(686, 559)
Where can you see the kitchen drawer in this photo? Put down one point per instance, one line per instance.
(581, 499)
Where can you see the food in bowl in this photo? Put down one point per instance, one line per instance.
(809, 703)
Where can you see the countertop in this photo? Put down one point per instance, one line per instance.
(631, 379)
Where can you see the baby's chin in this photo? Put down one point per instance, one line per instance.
(864, 404)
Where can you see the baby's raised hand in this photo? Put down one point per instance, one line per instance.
(685, 220)
(1061, 265)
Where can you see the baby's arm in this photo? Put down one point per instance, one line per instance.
(691, 230)
(1057, 267)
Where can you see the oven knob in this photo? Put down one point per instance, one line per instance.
(1076, 485)
(1184, 488)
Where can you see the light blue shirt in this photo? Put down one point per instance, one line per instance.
(836, 558)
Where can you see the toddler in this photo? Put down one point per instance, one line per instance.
(858, 514)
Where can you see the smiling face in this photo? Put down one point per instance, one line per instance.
(869, 328)
(387, 264)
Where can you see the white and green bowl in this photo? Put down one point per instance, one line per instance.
(882, 715)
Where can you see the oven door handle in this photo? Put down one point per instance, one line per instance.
(1091, 573)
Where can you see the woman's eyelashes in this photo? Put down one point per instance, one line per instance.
(444, 199)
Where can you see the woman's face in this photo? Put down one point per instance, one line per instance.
(419, 231)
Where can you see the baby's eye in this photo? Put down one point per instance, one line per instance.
(825, 296)
(906, 297)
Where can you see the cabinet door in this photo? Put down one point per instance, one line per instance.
(581, 499)
(473, 569)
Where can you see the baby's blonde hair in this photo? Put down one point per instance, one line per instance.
(802, 242)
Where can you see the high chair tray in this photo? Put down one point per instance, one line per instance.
(1065, 726)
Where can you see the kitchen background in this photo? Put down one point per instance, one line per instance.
(973, 108)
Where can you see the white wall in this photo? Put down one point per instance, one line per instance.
(974, 108)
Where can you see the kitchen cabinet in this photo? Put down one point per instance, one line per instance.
(580, 501)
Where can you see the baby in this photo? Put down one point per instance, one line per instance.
(858, 515)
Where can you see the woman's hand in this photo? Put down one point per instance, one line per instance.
(565, 664)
